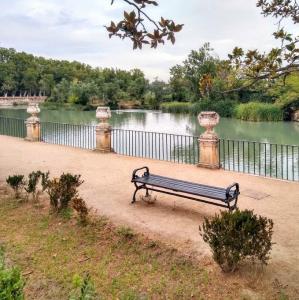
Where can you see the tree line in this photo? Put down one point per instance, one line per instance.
(64, 81)
(202, 79)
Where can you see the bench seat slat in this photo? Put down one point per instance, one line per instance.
(183, 186)
(187, 183)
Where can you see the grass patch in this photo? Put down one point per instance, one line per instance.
(51, 251)
(176, 107)
(255, 111)
(48, 105)
(224, 108)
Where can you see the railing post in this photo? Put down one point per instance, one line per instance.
(209, 141)
(33, 123)
(103, 130)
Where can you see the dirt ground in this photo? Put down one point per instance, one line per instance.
(107, 188)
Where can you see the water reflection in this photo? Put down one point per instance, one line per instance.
(139, 133)
(270, 132)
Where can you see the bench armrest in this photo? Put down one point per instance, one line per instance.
(146, 173)
(230, 188)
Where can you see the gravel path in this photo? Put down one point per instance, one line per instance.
(107, 188)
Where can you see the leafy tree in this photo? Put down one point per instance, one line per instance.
(199, 65)
(64, 81)
(179, 84)
(150, 100)
(253, 65)
(47, 83)
(135, 27)
(161, 90)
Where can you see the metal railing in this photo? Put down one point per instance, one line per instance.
(12, 127)
(263, 159)
(80, 136)
(154, 145)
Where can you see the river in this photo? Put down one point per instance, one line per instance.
(145, 120)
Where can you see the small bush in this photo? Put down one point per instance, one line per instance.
(225, 108)
(255, 111)
(83, 289)
(11, 282)
(80, 207)
(176, 107)
(53, 189)
(69, 184)
(235, 236)
(17, 183)
(34, 179)
(63, 190)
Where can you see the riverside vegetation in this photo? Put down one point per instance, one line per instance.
(189, 90)
(65, 260)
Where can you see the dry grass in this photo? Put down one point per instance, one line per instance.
(50, 250)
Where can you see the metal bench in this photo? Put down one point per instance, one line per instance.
(223, 197)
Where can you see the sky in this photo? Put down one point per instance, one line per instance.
(74, 30)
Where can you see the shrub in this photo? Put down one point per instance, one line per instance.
(17, 183)
(176, 107)
(225, 108)
(11, 282)
(68, 184)
(63, 190)
(254, 111)
(83, 288)
(80, 207)
(53, 190)
(235, 236)
(34, 179)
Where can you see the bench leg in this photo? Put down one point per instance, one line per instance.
(234, 206)
(135, 192)
(134, 196)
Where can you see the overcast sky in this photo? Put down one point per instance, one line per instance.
(73, 30)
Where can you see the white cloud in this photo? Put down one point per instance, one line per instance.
(73, 30)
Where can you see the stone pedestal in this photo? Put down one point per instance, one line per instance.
(103, 130)
(33, 129)
(209, 153)
(33, 123)
(209, 141)
(103, 138)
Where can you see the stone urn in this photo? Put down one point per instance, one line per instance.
(208, 120)
(295, 115)
(208, 141)
(103, 130)
(33, 123)
(33, 109)
(103, 113)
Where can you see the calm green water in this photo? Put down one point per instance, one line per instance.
(268, 132)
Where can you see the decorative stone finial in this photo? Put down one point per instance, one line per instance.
(103, 114)
(103, 130)
(33, 109)
(33, 123)
(208, 120)
(208, 141)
